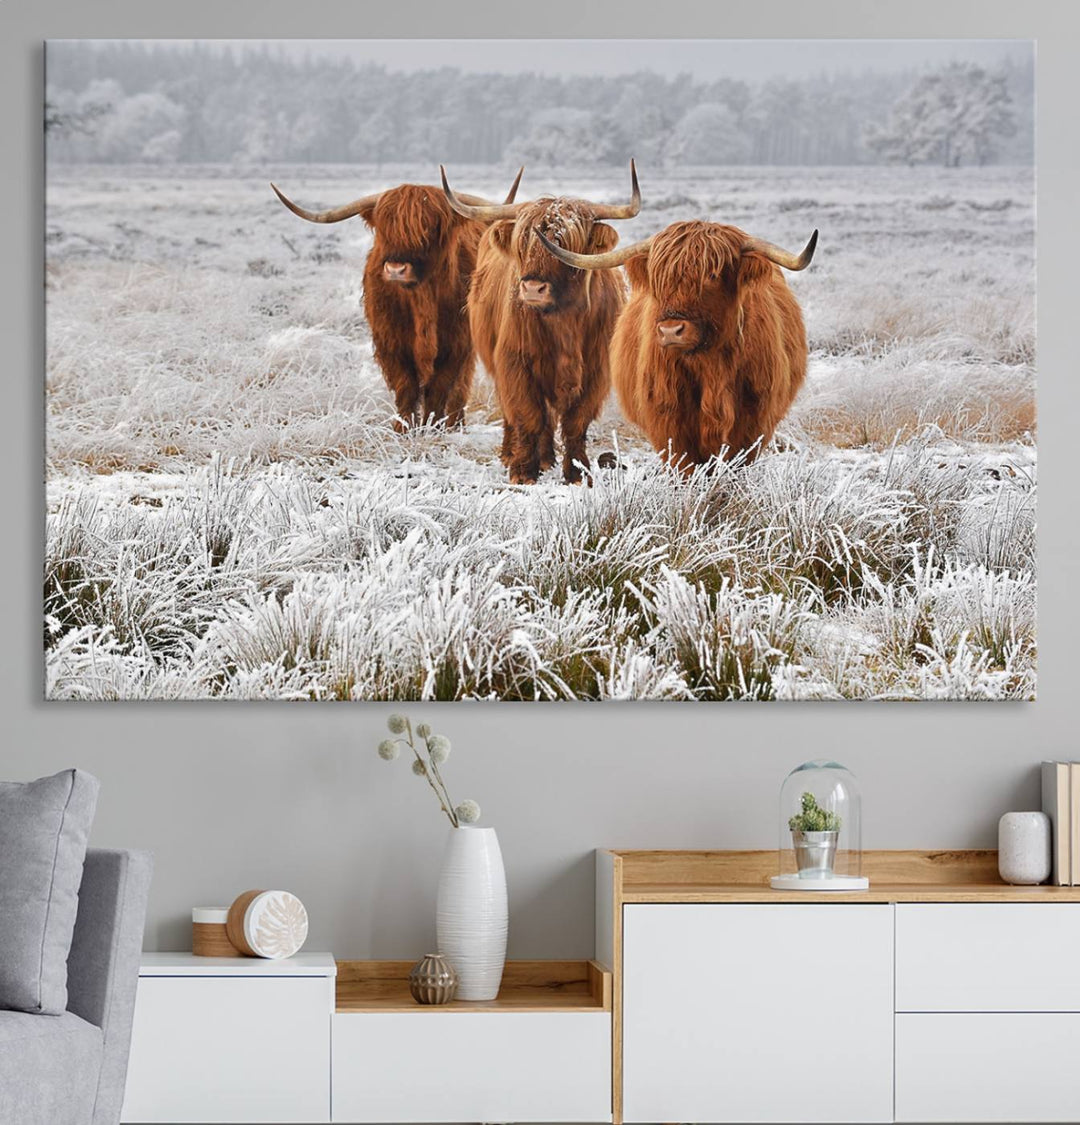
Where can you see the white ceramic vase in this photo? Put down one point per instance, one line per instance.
(470, 916)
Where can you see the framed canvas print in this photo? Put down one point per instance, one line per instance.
(554, 370)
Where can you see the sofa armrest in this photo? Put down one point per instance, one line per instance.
(103, 966)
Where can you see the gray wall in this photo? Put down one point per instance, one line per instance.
(245, 795)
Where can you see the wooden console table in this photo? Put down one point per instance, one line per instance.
(940, 994)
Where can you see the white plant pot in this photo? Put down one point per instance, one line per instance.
(470, 915)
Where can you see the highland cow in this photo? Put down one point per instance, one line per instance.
(543, 330)
(416, 280)
(710, 350)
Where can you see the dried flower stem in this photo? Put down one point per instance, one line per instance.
(438, 777)
(429, 766)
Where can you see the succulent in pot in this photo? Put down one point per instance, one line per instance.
(815, 833)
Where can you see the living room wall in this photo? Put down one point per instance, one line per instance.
(236, 796)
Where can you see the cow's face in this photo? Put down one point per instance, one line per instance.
(542, 282)
(694, 272)
(413, 227)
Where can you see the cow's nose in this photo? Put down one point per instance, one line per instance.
(671, 331)
(397, 271)
(535, 290)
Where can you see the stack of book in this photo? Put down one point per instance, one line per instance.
(1061, 803)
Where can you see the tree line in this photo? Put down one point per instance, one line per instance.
(132, 101)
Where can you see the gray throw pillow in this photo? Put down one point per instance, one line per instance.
(44, 826)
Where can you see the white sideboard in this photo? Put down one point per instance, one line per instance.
(940, 995)
(230, 1039)
(239, 1040)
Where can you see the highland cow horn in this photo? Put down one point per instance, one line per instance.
(606, 261)
(783, 257)
(512, 193)
(334, 216)
(622, 210)
(485, 212)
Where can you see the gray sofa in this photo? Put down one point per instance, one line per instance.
(70, 1069)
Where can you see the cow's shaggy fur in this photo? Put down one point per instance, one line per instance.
(421, 339)
(550, 364)
(744, 352)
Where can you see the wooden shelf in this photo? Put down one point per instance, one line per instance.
(527, 986)
(895, 876)
(878, 892)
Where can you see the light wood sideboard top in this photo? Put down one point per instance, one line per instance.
(895, 876)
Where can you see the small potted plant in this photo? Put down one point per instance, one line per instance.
(814, 835)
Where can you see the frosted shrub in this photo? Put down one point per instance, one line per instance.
(729, 643)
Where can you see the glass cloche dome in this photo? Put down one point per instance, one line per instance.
(820, 830)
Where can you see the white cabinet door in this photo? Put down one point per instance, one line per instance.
(472, 1066)
(985, 1066)
(988, 957)
(758, 1013)
(230, 1049)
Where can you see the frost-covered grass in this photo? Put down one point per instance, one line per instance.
(231, 515)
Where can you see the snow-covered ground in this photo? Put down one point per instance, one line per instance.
(230, 513)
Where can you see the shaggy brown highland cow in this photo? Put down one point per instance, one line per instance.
(542, 329)
(416, 280)
(710, 350)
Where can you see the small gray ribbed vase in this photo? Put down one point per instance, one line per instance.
(433, 980)
(1024, 852)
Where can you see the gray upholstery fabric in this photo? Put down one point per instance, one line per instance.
(49, 1068)
(44, 826)
(70, 1069)
(103, 969)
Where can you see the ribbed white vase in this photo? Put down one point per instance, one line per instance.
(470, 915)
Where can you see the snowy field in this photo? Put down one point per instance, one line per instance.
(229, 513)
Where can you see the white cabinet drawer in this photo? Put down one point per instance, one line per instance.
(230, 1049)
(1007, 1066)
(472, 1066)
(988, 957)
(722, 1013)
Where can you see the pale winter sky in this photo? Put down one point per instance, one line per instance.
(703, 58)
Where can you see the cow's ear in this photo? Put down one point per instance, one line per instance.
(603, 239)
(754, 267)
(501, 233)
(637, 269)
(367, 212)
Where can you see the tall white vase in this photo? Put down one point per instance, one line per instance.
(470, 916)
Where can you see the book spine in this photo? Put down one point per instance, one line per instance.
(1055, 803)
(1074, 819)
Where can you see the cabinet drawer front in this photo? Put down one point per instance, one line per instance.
(230, 1049)
(998, 1066)
(988, 957)
(472, 1066)
(757, 1013)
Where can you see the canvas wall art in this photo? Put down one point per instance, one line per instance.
(550, 370)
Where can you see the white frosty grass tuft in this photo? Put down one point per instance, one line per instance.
(231, 515)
